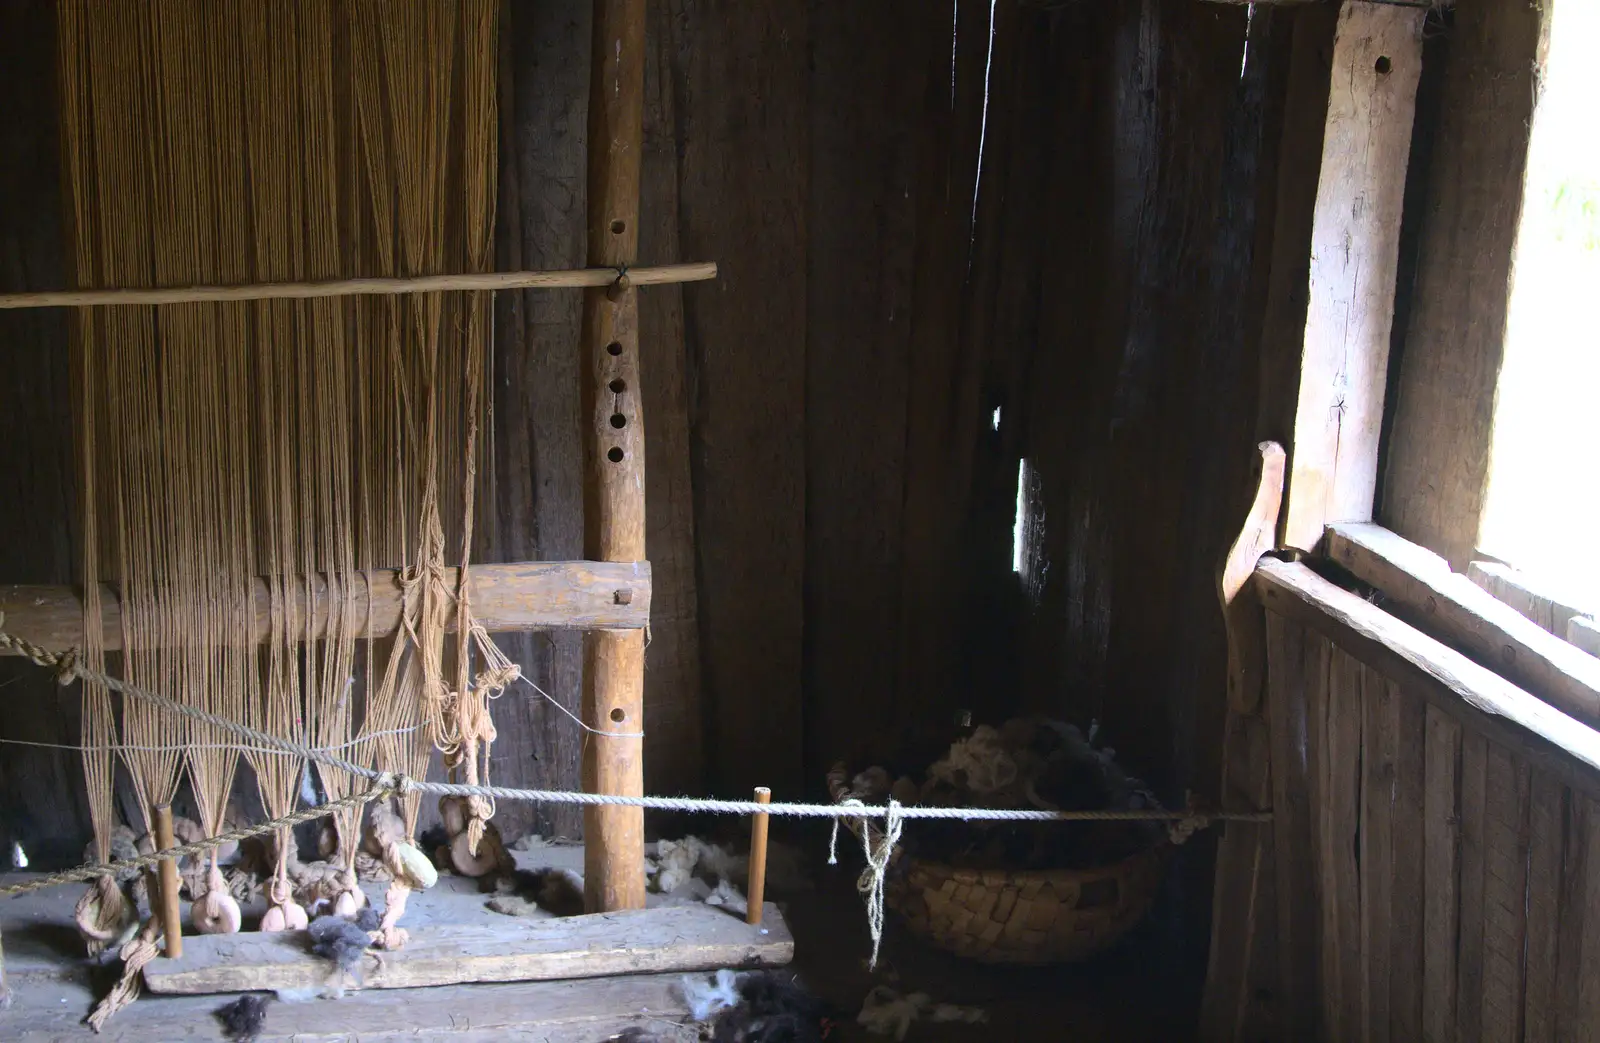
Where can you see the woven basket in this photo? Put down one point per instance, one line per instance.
(1032, 916)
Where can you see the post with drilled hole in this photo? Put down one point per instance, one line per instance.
(758, 858)
(613, 677)
(171, 913)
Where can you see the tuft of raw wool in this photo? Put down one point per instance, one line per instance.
(530, 842)
(514, 905)
(980, 761)
(887, 1013)
(675, 862)
(771, 1009)
(310, 994)
(242, 1019)
(339, 941)
(708, 997)
(726, 896)
(367, 918)
(678, 861)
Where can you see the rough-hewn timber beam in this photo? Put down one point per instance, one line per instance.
(539, 595)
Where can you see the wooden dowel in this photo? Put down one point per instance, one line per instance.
(758, 858)
(552, 280)
(537, 595)
(613, 450)
(171, 914)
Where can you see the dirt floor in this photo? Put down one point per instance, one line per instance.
(1129, 994)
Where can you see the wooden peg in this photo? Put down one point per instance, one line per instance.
(171, 913)
(758, 858)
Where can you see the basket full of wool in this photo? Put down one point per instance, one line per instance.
(1017, 892)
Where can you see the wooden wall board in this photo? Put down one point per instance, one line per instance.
(537, 487)
(1441, 829)
(1341, 754)
(1293, 827)
(739, 75)
(863, 234)
(1452, 343)
(41, 789)
(1445, 871)
(1377, 865)
(1409, 849)
(1377, 61)
(1505, 895)
(674, 749)
(1547, 804)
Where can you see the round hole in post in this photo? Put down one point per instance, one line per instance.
(618, 386)
(618, 715)
(613, 349)
(614, 454)
(618, 420)
(618, 227)
(1383, 65)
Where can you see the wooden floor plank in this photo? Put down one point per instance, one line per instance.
(549, 1012)
(668, 938)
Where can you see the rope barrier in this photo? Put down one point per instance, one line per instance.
(68, 669)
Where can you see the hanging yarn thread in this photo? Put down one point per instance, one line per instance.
(285, 442)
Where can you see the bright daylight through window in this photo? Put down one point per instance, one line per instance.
(1543, 508)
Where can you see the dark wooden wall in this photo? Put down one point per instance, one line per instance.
(1054, 213)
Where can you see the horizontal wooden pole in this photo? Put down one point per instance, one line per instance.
(1479, 698)
(539, 595)
(646, 941)
(553, 280)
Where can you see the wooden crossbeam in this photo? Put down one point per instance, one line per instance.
(540, 595)
(575, 278)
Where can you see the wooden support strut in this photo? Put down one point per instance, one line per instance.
(543, 595)
(613, 681)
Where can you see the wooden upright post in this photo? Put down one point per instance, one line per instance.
(170, 911)
(613, 682)
(758, 859)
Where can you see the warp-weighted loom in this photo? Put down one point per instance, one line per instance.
(281, 405)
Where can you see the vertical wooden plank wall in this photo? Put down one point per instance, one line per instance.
(1447, 878)
(41, 790)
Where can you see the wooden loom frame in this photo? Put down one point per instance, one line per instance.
(608, 596)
